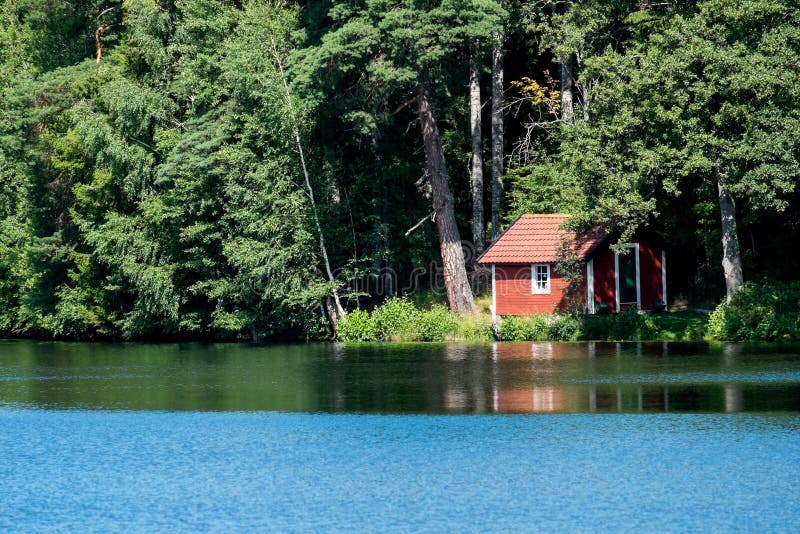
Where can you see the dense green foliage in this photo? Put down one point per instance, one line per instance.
(626, 326)
(540, 328)
(358, 326)
(398, 319)
(532, 328)
(629, 325)
(151, 185)
(759, 312)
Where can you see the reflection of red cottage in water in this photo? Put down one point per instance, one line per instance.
(524, 280)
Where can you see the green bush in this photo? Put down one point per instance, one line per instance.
(634, 325)
(472, 328)
(514, 329)
(434, 324)
(398, 320)
(717, 327)
(759, 312)
(629, 324)
(598, 327)
(532, 328)
(395, 319)
(564, 328)
(357, 326)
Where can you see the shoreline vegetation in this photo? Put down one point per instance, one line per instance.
(398, 320)
(769, 312)
(765, 312)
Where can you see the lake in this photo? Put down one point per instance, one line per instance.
(429, 437)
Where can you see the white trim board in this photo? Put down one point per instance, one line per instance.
(638, 281)
(494, 297)
(616, 282)
(590, 286)
(635, 247)
(664, 277)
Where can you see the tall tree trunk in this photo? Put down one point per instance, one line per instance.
(497, 131)
(566, 69)
(459, 292)
(567, 75)
(339, 310)
(731, 257)
(477, 152)
(254, 332)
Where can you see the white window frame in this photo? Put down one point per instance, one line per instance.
(590, 286)
(635, 247)
(540, 291)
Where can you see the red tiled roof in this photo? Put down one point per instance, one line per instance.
(536, 238)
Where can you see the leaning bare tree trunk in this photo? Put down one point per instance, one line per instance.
(567, 107)
(340, 314)
(731, 257)
(477, 152)
(497, 131)
(459, 292)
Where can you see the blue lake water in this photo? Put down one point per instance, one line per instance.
(578, 437)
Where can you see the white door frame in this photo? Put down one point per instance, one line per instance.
(590, 286)
(664, 277)
(635, 247)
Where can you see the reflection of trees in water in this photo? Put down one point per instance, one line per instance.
(467, 378)
(402, 378)
(140, 376)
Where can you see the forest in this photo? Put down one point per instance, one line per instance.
(210, 169)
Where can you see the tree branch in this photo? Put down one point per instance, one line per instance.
(404, 105)
(428, 216)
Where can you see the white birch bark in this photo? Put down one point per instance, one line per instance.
(566, 81)
(497, 131)
(340, 313)
(731, 256)
(477, 152)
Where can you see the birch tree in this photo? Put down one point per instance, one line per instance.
(476, 167)
(338, 311)
(424, 39)
(497, 131)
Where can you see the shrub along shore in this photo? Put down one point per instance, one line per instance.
(759, 312)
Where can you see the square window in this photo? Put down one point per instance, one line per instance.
(540, 279)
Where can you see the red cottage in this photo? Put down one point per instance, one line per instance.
(524, 280)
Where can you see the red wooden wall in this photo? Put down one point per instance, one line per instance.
(513, 291)
(604, 281)
(649, 275)
(513, 283)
